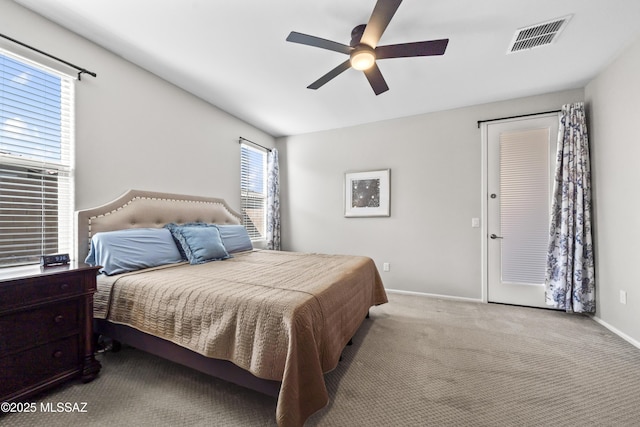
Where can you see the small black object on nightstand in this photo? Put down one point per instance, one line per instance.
(57, 259)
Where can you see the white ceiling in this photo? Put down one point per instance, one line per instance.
(233, 54)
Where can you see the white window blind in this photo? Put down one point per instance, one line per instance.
(253, 190)
(524, 204)
(36, 159)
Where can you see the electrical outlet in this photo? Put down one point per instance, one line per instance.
(623, 297)
(386, 266)
(475, 222)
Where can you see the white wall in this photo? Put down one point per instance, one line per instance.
(435, 191)
(612, 102)
(135, 130)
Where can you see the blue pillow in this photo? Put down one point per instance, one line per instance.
(132, 249)
(173, 227)
(235, 238)
(200, 242)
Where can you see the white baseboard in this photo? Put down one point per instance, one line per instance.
(618, 332)
(422, 294)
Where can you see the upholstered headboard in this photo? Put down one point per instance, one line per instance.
(147, 209)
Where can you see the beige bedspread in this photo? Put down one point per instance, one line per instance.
(282, 316)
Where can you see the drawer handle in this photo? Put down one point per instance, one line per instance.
(64, 286)
(57, 354)
(59, 318)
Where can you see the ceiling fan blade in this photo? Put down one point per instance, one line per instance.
(318, 42)
(380, 18)
(376, 80)
(404, 50)
(330, 75)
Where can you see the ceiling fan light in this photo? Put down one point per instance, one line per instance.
(362, 58)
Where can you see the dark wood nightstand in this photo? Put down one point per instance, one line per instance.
(46, 327)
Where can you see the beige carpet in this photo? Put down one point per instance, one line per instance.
(416, 362)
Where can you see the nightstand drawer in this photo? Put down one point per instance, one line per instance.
(38, 326)
(39, 364)
(40, 289)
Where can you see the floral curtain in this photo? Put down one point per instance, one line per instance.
(273, 201)
(570, 276)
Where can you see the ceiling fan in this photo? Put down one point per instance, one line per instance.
(363, 50)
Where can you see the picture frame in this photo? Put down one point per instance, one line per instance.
(367, 193)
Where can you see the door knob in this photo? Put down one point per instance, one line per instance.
(493, 236)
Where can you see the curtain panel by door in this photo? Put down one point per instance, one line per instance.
(570, 275)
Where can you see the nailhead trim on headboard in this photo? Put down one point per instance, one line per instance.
(160, 199)
(190, 208)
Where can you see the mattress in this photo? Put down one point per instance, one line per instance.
(282, 316)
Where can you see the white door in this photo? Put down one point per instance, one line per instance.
(521, 157)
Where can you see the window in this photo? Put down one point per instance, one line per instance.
(253, 190)
(36, 158)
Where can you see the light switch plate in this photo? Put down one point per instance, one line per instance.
(623, 297)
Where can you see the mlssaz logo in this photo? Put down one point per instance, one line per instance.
(63, 407)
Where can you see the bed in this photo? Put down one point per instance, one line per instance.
(272, 321)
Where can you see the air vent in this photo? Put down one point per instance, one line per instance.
(538, 35)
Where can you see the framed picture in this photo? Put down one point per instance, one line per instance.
(367, 193)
